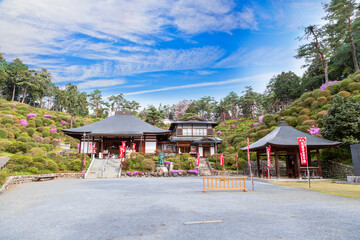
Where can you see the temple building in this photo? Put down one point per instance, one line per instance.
(189, 136)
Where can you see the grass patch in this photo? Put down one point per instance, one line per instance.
(329, 187)
(5, 154)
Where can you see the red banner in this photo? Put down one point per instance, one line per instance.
(123, 144)
(268, 154)
(248, 151)
(121, 152)
(89, 147)
(237, 160)
(94, 148)
(221, 159)
(198, 159)
(303, 151)
(134, 147)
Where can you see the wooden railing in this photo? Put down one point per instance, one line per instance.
(224, 183)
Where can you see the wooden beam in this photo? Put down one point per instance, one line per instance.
(277, 164)
(319, 162)
(258, 163)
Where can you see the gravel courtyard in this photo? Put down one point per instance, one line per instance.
(157, 208)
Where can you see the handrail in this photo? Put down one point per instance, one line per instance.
(215, 183)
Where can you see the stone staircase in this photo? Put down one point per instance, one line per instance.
(204, 167)
(104, 168)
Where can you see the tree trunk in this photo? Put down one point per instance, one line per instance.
(13, 95)
(24, 94)
(322, 57)
(326, 72)
(353, 50)
(71, 119)
(96, 112)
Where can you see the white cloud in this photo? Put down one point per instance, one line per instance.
(100, 83)
(255, 78)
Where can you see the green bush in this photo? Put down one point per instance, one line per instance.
(45, 133)
(15, 147)
(322, 101)
(321, 114)
(8, 120)
(354, 86)
(38, 122)
(262, 133)
(315, 93)
(32, 170)
(55, 135)
(75, 165)
(357, 98)
(305, 111)
(305, 96)
(333, 88)
(30, 131)
(303, 128)
(314, 105)
(302, 118)
(269, 119)
(344, 83)
(37, 151)
(46, 122)
(51, 165)
(310, 122)
(291, 121)
(3, 176)
(3, 133)
(324, 93)
(357, 78)
(23, 139)
(344, 94)
(309, 101)
(147, 165)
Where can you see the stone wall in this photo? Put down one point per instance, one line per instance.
(30, 178)
(331, 169)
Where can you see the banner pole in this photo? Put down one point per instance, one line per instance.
(249, 161)
(307, 167)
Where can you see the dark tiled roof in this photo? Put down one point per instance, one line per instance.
(286, 136)
(197, 139)
(119, 124)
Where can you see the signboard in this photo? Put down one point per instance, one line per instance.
(85, 147)
(268, 154)
(134, 147)
(94, 148)
(237, 160)
(221, 159)
(123, 144)
(248, 151)
(198, 159)
(303, 151)
(121, 152)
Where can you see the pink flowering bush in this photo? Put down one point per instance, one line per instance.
(23, 122)
(178, 171)
(63, 122)
(9, 115)
(255, 124)
(233, 125)
(166, 162)
(218, 133)
(261, 118)
(323, 87)
(30, 115)
(52, 130)
(47, 116)
(314, 130)
(193, 171)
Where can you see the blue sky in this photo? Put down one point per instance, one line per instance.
(158, 51)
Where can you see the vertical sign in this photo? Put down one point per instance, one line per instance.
(94, 148)
(89, 147)
(248, 151)
(268, 154)
(221, 159)
(134, 147)
(198, 159)
(303, 151)
(123, 144)
(237, 160)
(121, 153)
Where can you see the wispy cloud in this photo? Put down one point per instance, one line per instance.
(260, 77)
(100, 83)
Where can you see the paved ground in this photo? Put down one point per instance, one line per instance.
(157, 208)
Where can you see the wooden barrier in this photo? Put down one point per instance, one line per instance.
(219, 183)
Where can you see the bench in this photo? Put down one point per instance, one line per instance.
(44, 178)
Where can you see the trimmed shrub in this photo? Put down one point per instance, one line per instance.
(23, 139)
(46, 122)
(333, 88)
(262, 133)
(357, 78)
(3, 133)
(38, 122)
(303, 128)
(126, 164)
(30, 131)
(3, 176)
(33, 170)
(11, 135)
(315, 93)
(291, 121)
(309, 101)
(324, 93)
(8, 120)
(285, 112)
(305, 96)
(302, 118)
(310, 122)
(147, 165)
(354, 86)
(45, 133)
(344, 83)
(75, 165)
(55, 135)
(344, 94)
(322, 101)
(268, 119)
(314, 105)
(305, 111)
(321, 114)
(357, 98)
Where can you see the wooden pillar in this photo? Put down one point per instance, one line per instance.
(309, 157)
(258, 163)
(319, 162)
(277, 164)
(298, 164)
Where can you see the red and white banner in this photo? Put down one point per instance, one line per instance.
(123, 144)
(134, 147)
(237, 160)
(198, 159)
(89, 147)
(94, 148)
(221, 159)
(121, 152)
(268, 154)
(303, 151)
(248, 151)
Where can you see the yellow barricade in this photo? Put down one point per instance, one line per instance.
(224, 183)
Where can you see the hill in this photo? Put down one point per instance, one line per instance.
(305, 114)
